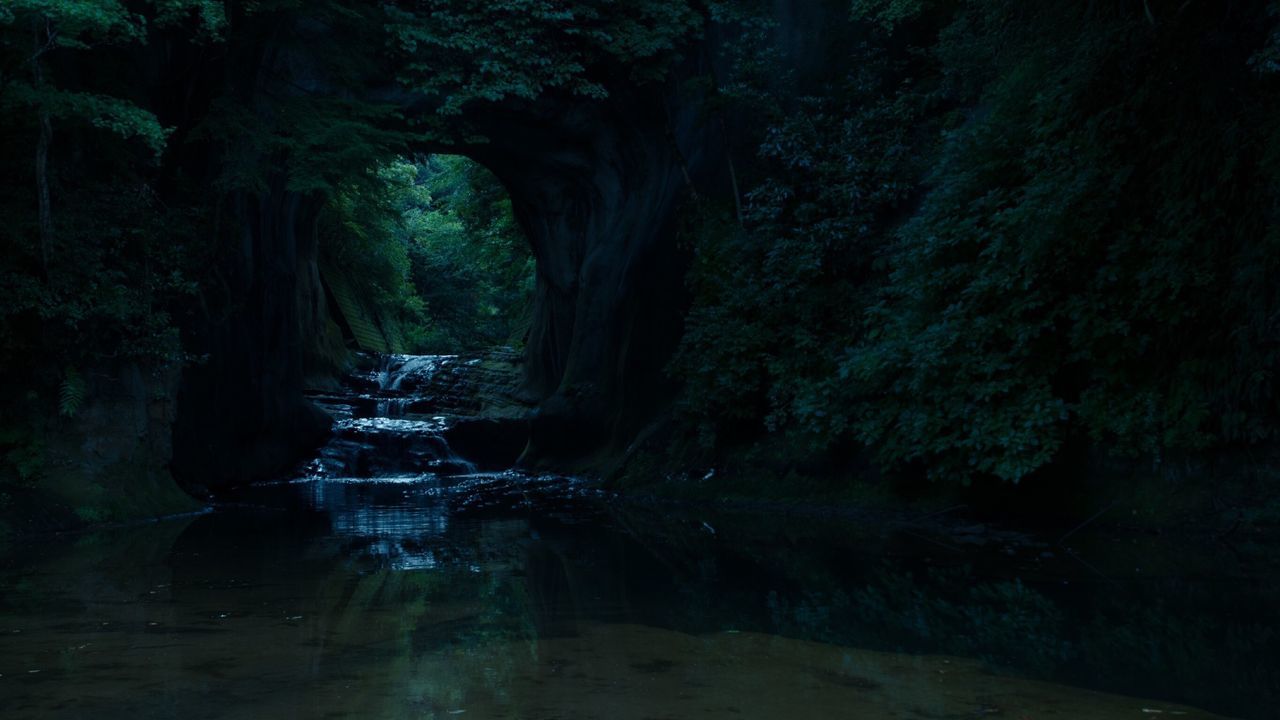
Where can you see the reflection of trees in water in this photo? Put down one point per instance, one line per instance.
(1195, 639)
(1004, 623)
(508, 597)
(501, 583)
(1207, 640)
(476, 624)
(1212, 642)
(435, 631)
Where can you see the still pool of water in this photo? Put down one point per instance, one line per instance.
(501, 597)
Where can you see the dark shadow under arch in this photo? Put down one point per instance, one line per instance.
(596, 186)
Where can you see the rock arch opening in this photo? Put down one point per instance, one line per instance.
(595, 186)
(426, 258)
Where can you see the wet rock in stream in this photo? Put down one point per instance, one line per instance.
(422, 414)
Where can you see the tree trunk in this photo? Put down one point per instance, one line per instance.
(42, 145)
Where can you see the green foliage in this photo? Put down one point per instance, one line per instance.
(447, 57)
(1001, 232)
(458, 51)
(102, 286)
(121, 262)
(887, 13)
(1079, 265)
(362, 238)
(471, 264)
(101, 111)
(81, 25)
(210, 16)
(991, 231)
(77, 24)
(71, 393)
(433, 246)
(772, 299)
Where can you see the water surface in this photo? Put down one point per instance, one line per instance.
(394, 581)
(496, 596)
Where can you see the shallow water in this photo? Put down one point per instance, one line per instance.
(495, 596)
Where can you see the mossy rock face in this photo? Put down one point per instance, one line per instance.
(109, 462)
(372, 332)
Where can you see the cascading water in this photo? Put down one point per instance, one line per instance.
(388, 475)
(389, 423)
(416, 370)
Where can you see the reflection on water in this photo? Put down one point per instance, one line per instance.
(494, 596)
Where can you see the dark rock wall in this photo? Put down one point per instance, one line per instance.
(596, 189)
(242, 416)
(263, 324)
(110, 460)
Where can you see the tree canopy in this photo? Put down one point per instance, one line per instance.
(971, 238)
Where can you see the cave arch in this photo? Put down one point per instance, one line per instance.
(595, 184)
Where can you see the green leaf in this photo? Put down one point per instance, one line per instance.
(71, 393)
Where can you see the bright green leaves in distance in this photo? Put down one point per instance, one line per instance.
(432, 244)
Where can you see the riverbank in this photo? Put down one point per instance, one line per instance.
(1211, 497)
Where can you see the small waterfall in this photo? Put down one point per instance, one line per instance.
(396, 407)
(383, 376)
(383, 429)
(391, 407)
(419, 369)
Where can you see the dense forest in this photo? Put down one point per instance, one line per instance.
(961, 241)
(635, 359)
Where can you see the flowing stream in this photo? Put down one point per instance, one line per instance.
(392, 579)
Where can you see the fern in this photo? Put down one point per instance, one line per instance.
(72, 392)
